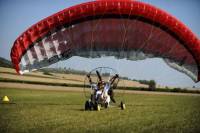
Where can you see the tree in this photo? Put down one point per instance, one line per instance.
(152, 85)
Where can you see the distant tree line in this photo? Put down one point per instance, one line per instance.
(5, 63)
(48, 71)
(150, 83)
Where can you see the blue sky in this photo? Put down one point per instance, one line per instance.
(17, 15)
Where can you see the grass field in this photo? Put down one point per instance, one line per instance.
(36, 111)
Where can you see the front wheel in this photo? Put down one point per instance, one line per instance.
(98, 107)
(106, 105)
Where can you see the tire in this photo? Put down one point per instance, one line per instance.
(97, 107)
(106, 105)
(123, 106)
(91, 105)
(87, 105)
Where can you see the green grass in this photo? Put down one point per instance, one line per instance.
(52, 111)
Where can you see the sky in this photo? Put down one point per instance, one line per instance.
(18, 15)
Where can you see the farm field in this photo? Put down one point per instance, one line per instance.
(33, 111)
(40, 77)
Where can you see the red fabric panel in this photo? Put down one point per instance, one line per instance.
(94, 8)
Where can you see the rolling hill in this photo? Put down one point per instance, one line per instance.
(5, 63)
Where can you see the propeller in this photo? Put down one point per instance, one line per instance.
(113, 86)
(99, 76)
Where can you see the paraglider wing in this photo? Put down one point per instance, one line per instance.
(121, 28)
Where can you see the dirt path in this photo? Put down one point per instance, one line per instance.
(78, 89)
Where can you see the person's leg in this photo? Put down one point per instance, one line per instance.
(111, 96)
(98, 96)
(98, 93)
(108, 100)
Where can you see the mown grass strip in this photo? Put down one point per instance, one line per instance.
(40, 83)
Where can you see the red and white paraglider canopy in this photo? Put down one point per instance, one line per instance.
(122, 28)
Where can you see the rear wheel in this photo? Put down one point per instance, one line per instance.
(123, 106)
(88, 105)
